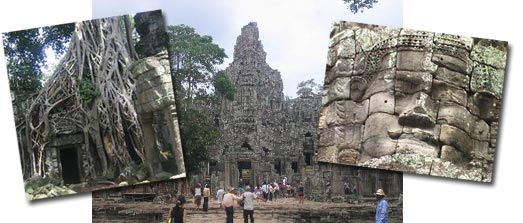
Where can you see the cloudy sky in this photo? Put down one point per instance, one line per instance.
(294, 33)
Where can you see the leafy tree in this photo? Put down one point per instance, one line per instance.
(25, 53)
(194, 58)
(223, 86)
(356, 6)
(193, 61)
(308, 88)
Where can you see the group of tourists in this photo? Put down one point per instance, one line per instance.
(246, 198)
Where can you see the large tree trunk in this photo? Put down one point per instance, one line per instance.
(91, 90)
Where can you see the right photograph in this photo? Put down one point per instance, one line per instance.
(413, 101)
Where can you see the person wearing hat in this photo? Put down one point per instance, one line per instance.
(228, 202)
(382, 207)
(198, 195)
(178, 213)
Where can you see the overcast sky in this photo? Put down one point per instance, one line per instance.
(294, 33)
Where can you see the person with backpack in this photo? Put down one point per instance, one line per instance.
(178, 213)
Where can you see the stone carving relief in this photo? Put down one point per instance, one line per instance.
(419, 97)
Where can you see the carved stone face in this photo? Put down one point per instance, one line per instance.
(391, 92)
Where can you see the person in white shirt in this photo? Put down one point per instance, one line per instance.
(248, 204)
(219, 196)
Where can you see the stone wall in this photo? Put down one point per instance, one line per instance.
(412, 101)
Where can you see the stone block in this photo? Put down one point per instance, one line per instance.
(448, 93)
(352, 136)
(328, 154)
(493, 133)
(484, 105)
(340, 90)
(376, 139)
(456, 138)
(487, 79)
(348, 156)
(382, 102)
(414, 61)
(453, 77)
(411, 143)
(411, 82)
(459, 116)
(382, 81)
(450, 62)
(451, 154)
(416, 110)
(493, 53)
(344, 67)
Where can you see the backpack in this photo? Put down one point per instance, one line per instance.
(242, 203)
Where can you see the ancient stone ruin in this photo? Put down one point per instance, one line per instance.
(413, 101)
(266, 137)
(154, 91)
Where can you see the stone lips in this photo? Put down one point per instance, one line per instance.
(430, 96)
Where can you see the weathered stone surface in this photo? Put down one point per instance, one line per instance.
(448, 93)
(449, 153)
(487, 79)
(453, 77)
(411, 82)
(493, 133)
(151, 28)
(484, 105)
(417, 110)
(436, 95)
(376, 139)
(382, 102)
(382, 81)
(461, 118)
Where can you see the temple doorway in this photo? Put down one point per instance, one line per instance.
(69, 165)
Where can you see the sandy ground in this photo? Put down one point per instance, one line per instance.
(281, 210)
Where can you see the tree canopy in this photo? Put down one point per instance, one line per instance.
(356, 6)
(198, 86)
(25, 53)
(308, 88)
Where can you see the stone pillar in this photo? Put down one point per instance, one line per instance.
(152, 154)
(174, 132)
(227, 173)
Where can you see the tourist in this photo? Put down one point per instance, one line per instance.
(276, 190)
(265, 191)
(382, 207)
(178, 213)
(198, 195)
(206, 196)
(228, 203)
(258, 192)
(248, 205)
(328, 192)
(240, 189)
(301, 193)
(271, 192)
(219, 197)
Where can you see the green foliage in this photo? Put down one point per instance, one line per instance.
(87, 91)
(356, 6)
(308, 88)
(25, 53)
(223, 86)
(197, 133)
(194, 58)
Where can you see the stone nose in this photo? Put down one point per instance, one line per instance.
(416, 110)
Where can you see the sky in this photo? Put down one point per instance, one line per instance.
(294, 33)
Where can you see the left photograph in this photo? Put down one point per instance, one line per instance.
(94, 105)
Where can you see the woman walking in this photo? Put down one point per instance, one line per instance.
(178, 213)
(206, 196)
(198, 195)
(301, 193)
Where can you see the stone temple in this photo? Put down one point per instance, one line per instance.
(412, 101)
(266, 137)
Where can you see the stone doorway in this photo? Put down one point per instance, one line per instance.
(69, 165)
(245, 172)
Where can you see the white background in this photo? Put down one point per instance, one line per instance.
(426, 199)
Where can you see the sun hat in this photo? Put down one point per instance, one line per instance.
(380, 192)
